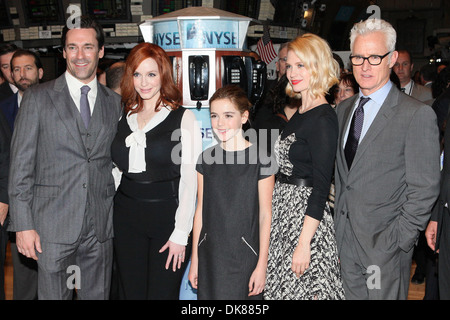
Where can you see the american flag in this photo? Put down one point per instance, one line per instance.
(265, 47)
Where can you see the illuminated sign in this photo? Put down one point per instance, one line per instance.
(221, 34)
(196, 34)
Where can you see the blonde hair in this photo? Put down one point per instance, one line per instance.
(316, 55)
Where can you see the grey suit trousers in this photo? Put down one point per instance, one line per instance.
(387, 282)
(84, 266)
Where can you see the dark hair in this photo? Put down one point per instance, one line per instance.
(8, 48)
(235, 94)
(339, 60)
(350, 80)
(114, 74)
(408, 53)
(169, 92)
(278, 98)
(429, 72)
(23, 52)
(86, 22)
(394, 78)
(441, 83)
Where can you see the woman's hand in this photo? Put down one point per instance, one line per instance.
(176, 251)
(301, 258)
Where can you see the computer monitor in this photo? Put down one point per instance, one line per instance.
(108, 11)
(43, 12)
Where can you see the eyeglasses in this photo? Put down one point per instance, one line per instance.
(373, 60)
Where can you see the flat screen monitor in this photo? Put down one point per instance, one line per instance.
(43, 12)
(160, 7)
(108, 11)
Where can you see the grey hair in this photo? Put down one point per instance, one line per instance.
(375, 25)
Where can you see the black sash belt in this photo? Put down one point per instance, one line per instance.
(170, 197)
(282, 178)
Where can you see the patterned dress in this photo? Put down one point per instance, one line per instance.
(290, 202)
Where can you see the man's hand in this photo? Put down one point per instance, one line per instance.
(27, 241)
(430, 234)
(3, 212)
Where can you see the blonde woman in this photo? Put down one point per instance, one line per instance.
(303, 262)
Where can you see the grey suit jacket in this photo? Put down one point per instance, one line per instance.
(422, 93)
(393, 182)
(59, 169)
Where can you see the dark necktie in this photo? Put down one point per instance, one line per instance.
(403, 89)
(84, 106)
(355, 131)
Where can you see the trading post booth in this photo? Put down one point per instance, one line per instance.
(207, 48)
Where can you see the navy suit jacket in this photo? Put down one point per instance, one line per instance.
(5, 141)
(5, 90)
(10, 107)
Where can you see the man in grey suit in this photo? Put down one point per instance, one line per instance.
(387, 171)
(403, 69)
(61, 187)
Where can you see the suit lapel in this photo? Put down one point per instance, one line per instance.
(63, 103)
(385, 113)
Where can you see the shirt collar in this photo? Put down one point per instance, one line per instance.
(408, 86)
(380, 95)
(74, 84)
(13, 88)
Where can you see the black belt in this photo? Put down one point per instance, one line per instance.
(170, 197)
(282, 178)
(148, 182)
(148, 200)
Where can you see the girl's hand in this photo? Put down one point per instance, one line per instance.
(193, 274)
(301, 259)
(176, 251)
(257, 282)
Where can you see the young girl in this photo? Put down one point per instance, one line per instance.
(232, 220)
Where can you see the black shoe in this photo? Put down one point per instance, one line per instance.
(418, 278)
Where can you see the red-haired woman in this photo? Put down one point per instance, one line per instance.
(156, 148)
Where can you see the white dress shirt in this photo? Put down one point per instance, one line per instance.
(13, 88)
(75, 90)
(409, 87)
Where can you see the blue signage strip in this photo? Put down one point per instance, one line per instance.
(196, 34)
(200, 34)
(166, 35)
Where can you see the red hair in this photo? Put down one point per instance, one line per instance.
(169, 93)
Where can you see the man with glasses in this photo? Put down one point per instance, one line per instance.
(281, 62)
(387, 171)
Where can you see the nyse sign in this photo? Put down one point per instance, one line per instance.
(166, 35)
(197, 34)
